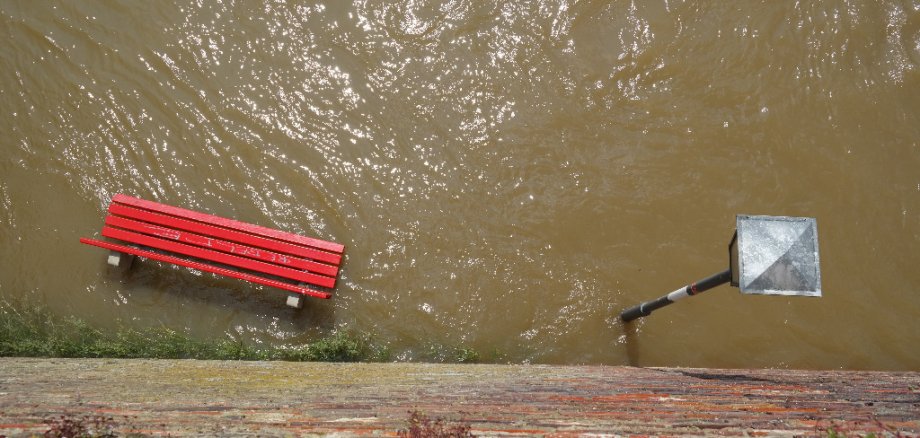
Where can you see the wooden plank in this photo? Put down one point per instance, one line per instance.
(176, 397)
(221, 245)
(224, 233)
(218, 257)
(207, 268)
(228, 223)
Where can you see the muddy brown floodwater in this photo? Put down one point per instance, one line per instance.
(506, 176)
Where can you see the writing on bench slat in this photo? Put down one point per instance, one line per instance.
(207, 268)
(222, 246)
(223, 233)
(228, 223)
(218, 257)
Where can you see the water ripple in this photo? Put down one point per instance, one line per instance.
(505, 175)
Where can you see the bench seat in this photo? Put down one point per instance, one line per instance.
(221, 246)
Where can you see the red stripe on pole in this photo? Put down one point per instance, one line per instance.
(207, 268)
(221, 245)
(218, 257)
(228, 223)
(224, 233)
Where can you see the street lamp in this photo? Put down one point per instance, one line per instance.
(768, 255)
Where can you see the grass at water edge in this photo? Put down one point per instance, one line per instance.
(31, 331)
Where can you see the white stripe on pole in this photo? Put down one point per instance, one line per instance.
(679, 294)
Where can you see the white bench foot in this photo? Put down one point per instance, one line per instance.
(121, 260)
(295, 301)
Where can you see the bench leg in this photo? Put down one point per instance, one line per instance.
(295, 300)
(121, 260)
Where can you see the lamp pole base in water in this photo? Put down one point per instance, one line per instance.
(646, 308)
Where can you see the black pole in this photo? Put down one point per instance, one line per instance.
(646, 308)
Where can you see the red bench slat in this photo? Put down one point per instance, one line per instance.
(207, 268)
(221, 245)
(218, 245)
(228, 223)
(224, 233)
(219, 257)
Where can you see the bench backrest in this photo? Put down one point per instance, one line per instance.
(223, 241)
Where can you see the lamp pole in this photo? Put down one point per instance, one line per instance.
(646, 308)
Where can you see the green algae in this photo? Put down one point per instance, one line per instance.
(30, 331)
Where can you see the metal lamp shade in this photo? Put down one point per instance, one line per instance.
(776, 255)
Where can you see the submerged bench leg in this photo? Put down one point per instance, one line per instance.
(295, 300)
(121, 260)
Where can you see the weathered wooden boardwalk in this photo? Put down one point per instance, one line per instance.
(215, 398)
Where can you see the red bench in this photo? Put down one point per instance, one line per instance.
(220, 246)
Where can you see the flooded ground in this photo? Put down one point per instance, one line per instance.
(506, 177)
